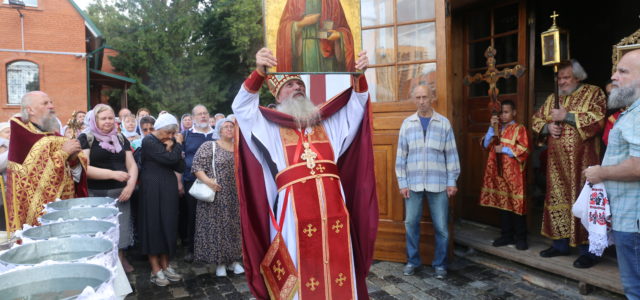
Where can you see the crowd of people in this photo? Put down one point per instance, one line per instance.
(142, 161)
(304, 204)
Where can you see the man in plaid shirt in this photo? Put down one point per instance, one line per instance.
(427, 164)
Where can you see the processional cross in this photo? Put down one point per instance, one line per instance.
(491, 76)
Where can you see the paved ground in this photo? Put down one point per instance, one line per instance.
(469, 278)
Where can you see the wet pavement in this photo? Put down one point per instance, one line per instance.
(466, 280)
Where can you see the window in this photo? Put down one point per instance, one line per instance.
(403, 34)
(22, 77)
(32, 3)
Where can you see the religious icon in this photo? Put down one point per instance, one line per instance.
(313, 36)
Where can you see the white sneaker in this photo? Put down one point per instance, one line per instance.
(159, 279)
(171, 274)
(221, 271)
(237, 268)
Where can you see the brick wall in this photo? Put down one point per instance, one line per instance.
(54, 25)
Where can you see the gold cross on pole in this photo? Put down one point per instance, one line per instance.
(553, 17)
(492, 75)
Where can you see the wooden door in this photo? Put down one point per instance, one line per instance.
(406, 41)
(502, 26)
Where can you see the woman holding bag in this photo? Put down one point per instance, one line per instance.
(217, 235)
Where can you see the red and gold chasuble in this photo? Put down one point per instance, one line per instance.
(37, 173)
(321, 217)
(576, 149)
(506, 192)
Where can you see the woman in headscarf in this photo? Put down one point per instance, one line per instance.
(186, 122)
(112, 170)
(217, 236)
(128, 127)
(158, 210)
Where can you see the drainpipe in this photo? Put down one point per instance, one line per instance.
(89, 57)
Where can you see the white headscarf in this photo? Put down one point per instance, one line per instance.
(165, 120)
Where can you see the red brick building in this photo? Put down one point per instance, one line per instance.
(53, 46)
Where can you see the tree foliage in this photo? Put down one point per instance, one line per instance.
(182, 52)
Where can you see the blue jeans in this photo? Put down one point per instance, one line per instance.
(439, 210)
(628, 252)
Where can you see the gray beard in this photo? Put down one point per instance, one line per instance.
(301, 109)
(202, 125)
(50, 123)
(623, 96)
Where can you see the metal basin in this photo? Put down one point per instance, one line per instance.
(80, 202)
(62, 250)
(66, 229)
(80, 214)
(58, 281)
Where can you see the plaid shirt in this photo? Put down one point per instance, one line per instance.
(624, 142)
(427, 163)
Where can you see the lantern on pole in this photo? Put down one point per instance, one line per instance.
(555, 44)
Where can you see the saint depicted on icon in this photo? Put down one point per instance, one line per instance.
(315, 36)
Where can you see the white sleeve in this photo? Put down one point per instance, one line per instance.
(76, 172)
(344, 124)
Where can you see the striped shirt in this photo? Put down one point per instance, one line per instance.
(624, 142)
(427, 163)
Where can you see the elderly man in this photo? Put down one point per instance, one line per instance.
(193, 138)
(620, 171)
(306, 187)
(427, 165)
(571, 132)
(43, 166)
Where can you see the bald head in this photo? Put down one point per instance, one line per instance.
(626, 81)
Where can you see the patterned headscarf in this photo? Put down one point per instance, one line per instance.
(108, 141)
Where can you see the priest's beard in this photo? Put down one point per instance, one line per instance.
(567, 91)
(301, 109)
(49, 123)
(624, 96)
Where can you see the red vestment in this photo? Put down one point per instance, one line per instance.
(576, 149)
(506, 192)
(355, 169)
(38, 173)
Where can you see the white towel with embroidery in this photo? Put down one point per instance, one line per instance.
(592, 207)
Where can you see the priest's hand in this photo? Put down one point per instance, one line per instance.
(558, 114)
(363, 61)
(451, 191)
(71, 147)
(593, 174)
(265, 59)
(555, 130)
(405, 193)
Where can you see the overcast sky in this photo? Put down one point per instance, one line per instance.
(83, 3)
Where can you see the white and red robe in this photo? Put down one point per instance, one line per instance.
(331, 216)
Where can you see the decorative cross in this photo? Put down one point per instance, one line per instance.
(340, 280)
(309, 156)
(312, 284)
(492, 75)
(554, 16)
(309, 230)
(337, 226)
(320, 168)
(278, 269)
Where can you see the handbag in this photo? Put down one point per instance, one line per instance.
(201, 190)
